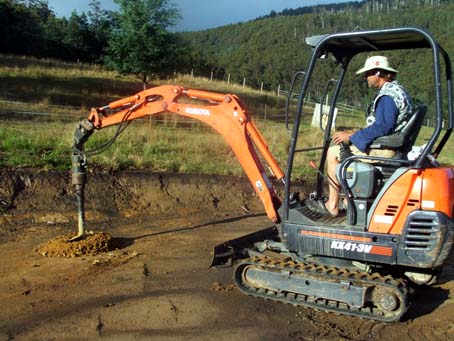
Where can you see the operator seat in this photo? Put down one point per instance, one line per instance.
(364, 179)
(402, 141)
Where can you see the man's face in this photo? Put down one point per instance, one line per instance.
(373, 81)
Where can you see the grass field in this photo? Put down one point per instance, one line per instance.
(67, 91)
(161, 147)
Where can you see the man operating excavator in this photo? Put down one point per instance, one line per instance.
(387, 113)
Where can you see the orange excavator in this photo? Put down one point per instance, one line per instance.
(398, 228)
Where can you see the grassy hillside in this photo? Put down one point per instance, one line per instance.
(33, 87)
(161, 144)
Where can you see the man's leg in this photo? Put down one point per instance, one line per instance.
(332, 205)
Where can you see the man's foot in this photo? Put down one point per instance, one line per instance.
(320, 207)
(333, 212)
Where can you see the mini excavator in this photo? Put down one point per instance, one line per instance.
(398, 228)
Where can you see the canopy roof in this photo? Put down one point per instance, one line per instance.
(352, 43)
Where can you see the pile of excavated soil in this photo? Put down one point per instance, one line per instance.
(93, 244)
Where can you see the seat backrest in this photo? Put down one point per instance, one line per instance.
(403, 140)
(411, 131)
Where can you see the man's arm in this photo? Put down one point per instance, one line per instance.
(385, 118)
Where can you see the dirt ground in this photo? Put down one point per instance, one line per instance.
(151, 279)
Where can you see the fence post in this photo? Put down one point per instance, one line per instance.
(278, 89)
(228, 78)
(244, 82)
(261, 87)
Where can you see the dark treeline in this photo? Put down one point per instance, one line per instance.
(265, 52)
(314, 9)
(135, 40)
(30, 27)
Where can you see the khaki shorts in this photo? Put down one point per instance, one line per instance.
(386, 153)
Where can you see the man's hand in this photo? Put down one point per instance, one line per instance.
(341, 136)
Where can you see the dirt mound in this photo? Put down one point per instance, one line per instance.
(93, 244)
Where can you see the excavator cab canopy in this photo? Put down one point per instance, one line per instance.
(343, 47)
(349, 44)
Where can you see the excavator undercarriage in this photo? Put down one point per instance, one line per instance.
(339, 290)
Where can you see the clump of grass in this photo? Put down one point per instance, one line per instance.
(167, 149)
(31, 67)
(26, 144)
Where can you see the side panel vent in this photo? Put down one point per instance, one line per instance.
(413, 203)
(426, 241)
(421, 234)
(391, 210)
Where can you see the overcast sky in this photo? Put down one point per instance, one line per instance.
(202, 14)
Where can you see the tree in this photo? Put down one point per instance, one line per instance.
(21, 31)
(77, 35)
(101, 23)
(140, 43)
(40, 8)
(55, 33)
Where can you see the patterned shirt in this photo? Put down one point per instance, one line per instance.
(388, 113)
(385, 118)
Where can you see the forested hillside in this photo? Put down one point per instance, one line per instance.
(263, 53)
(272, 48)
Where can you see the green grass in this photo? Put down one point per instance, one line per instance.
(27, 144)
(158, 148)
(79, 87)
(166, 143)
(50, 82)
(69, 90)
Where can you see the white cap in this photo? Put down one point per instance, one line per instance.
(376, 62)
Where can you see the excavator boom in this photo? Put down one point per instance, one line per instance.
(224, 113)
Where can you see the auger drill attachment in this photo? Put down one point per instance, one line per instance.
(79, 175)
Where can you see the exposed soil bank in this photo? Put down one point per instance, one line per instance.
(41, 196)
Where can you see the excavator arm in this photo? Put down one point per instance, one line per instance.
(224, 113)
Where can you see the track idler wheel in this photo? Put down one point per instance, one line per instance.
(385, 299)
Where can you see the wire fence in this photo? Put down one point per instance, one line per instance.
(350, 109)
(17, 111)
(11, 111)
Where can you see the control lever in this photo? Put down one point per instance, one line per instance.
(331, 182)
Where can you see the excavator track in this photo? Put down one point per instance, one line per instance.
(343, 291)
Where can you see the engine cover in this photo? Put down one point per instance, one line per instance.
(361, 179)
